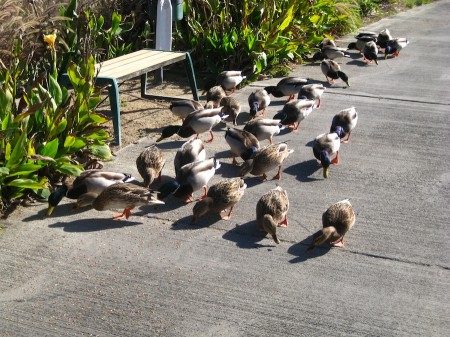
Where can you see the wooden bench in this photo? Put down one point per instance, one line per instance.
(133, 65)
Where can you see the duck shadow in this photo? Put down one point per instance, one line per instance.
(247, 236)
(204, 222)
(62, 210)
(299, 250)
(358, 63)
(93, 225)
(170, 203)
(303, 170)
(228, 170)
(170, 145)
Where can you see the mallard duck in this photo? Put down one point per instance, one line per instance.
(346, 119)
(332, 71)
(313, 92)
(326, 145)
(288, 86)
(294, 112)
(213, 97)
(190, 151)
(370, 52)
(88, 181)
(266, 159)
(240, 141)
(230, 79)
(258, 101)
(201, 121)
(326, 42)
(264, 128)
(221, 196)
(150, 163)
(190, 178)
(393, 47)
(231, 108)
(361, 40)
(183, 107)
(383, 37)
(271, 211)
(330, 52)
(337, 221)
(126, 196)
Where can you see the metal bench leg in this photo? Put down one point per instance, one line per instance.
(191, 76)
(114, 101)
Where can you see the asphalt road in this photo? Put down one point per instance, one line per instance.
(82, 273)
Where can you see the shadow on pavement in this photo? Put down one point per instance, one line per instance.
(247, 236)
(299, 250)
(304, 170)
(93, 225)
(205, 221)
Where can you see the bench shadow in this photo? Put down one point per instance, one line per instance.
(93, 224)
(247, 236)
(299, 250)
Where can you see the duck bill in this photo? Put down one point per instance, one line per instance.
(159, 139)
(325, 172)
(275, 238)
(50, 210)
(348, 84)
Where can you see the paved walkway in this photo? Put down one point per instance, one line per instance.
(84, 274)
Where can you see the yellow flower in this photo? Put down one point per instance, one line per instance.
(50, 40)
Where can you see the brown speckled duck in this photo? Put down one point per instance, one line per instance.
(213, 97)
(117, 196)
(337, 220)
(271, 211)
(288, 86)
(150, 163)
(230, 107)
(266, 159)
(221, 196)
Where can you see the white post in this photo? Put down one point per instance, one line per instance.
(163, 27)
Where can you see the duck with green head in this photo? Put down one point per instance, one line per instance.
(326, 145)
(240, 141)
(190, 178)
(332, 71)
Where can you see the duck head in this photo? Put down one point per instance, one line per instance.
(168, 131)
(248, 154)
(253, 110)
(168, 188)
(339, 130)
(326, 162)
(343, 76)
(55, 198)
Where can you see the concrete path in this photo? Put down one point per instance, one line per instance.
(77, 274)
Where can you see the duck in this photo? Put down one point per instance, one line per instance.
(361, 40)
(313, 91)
(332, 71)
(383, 37)
(191, 151)
(271, 211)
(294, 112)
(264, 128)
(150, 163)
(265, 159)
(288, 86)
(183, 107)
(258, 101)
(201, 121)
(189, 179)
(221, 196)
(326, 145)
(370, 52)
(213, 97)
(230, 79)
(394, 46)
(240, 141)
(346, 119)
(326, 42)
(230, 107)
(337, 220)
(94, 181)
(126, 196)
(330, 52)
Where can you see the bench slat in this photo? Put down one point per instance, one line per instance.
(138, 63)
